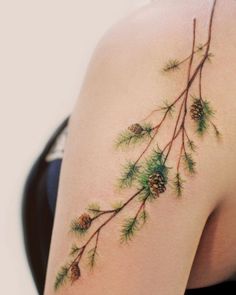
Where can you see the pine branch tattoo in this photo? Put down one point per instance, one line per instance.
(149, 176)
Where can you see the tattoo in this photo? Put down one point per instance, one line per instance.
(150, 176)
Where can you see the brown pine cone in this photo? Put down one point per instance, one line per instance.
(84, 221)
(196, 110)
(157, 183)
(136, 128)
(75, 272)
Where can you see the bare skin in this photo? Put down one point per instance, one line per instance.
(188, 242)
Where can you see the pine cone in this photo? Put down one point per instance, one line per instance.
(157, 183)
(75, 272)
(136, 128)
(84, 221)
(196, 110)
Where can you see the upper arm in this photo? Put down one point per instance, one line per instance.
(125, 85)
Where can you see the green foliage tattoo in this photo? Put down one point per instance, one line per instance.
(150, 176)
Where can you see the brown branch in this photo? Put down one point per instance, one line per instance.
(102, 212)
(181, 62)
(200, 83)
(182, 147)
(200, 76)
(156, 128)
(189, 84)
(140, 208)
(198, 69)
(189, 70)
(174, 133)
(187, 94)
(210, 29)
(96, 241)
(151, 113)
(184, 103)
(168, 144)
(83, 248)
(190, 56)
(186, 134)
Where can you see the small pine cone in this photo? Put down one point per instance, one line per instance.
(196, 110)
(75, 272)
(136, 128)
(84, 221)
(157, 183)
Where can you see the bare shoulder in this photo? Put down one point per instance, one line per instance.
(164, 24)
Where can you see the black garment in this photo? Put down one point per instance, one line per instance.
(225, 288)
(38, 213)
(37, 216)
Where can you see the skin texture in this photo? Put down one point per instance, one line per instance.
(186, 241)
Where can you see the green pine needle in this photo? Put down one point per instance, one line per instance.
(130, 172)
(128, 138)
(154, 164)
(192, 145)
(216, 130)
(204, 120)
(167, 107)
(94, 208)
(190, 164)
(75, 228)
(147, 194)
(207, 109)
(202, 126)
(178, 185)
(129, 228)
(200, 47)
(171, 65)
(61, 277)
(74, 250)
(210, 56)
(92, 257)
(117, 205)
(144, 216)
